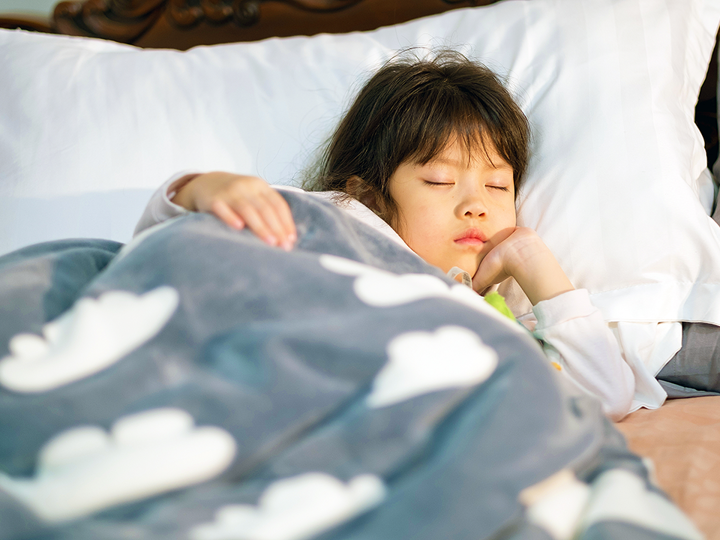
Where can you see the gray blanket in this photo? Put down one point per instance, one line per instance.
(198, 384)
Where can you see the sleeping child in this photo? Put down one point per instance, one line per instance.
(432, 154)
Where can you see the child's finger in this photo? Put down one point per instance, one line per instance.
(480, 282)
(279, 214)
(227, 215)
(256, 223)
(489, 272)
(285, 215)
(270, 211)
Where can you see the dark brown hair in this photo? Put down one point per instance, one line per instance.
(411, 110)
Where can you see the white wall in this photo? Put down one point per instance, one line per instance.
(42, 8)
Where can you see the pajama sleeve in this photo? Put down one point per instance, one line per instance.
(160, 208)
(575, 335)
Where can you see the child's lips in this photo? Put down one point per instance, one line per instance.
(471, 237)
(469, 241)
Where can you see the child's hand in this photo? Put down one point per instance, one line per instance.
(521, 254)
(239, 201)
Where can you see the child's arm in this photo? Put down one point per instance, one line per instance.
(241, 201)
(572, 330)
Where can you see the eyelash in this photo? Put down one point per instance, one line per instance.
(438, 183)
(501, 188)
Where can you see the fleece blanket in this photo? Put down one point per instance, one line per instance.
(198, 384)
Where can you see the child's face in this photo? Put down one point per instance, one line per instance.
(450, 207)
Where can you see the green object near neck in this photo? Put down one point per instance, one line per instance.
(496, 300)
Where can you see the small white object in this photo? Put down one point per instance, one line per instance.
(465, 277)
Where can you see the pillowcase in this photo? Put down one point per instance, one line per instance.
(618, 186)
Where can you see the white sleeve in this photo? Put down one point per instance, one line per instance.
(160, 208)
(575, 335)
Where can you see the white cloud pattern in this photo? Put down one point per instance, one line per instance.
(91, 336)
(379, 288)
(422, 362)
(295, 508)
(86, 469)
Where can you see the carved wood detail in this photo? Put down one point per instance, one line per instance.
(128, 20)
(120, 20)
(244, 13)
(185, 23)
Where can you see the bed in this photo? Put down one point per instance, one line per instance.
(262, 433)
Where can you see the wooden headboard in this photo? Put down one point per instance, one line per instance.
(181, 24)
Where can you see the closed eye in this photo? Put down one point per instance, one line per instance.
(501, 188)
(438, 183)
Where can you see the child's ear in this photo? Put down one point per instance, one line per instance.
(358, 189)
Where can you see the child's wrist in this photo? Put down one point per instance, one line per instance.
(183, 194)
(543, 280)
(547, 290)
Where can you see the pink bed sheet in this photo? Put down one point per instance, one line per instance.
(682, 438)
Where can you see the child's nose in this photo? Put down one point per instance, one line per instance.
(472, 205)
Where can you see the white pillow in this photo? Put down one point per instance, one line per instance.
(618, 186)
